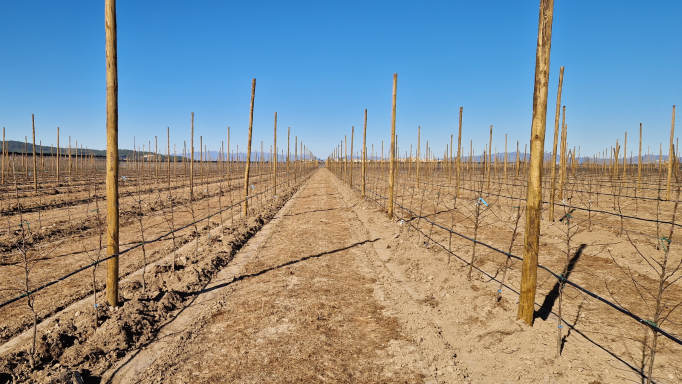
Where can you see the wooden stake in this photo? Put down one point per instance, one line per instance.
(35, 164)
(4, 154)
(639, 159)
(625, 154)
(288, 147)
(191, 162)
(490, 154)
(459, 153)
(112, 150)
(419, 134)
(670, 156)
(526, 308)
(562, 157)
(274, 182)
(556, 137)
(352, 136)
(391, 170)
(248, 150)
(364, 154)
(57, 157)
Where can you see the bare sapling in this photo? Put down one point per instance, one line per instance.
(571, 229)
(516, 220)
(139, 216)
(477, 214)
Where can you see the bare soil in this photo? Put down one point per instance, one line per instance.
(332, 291)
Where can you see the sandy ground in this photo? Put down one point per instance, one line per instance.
(332, 291)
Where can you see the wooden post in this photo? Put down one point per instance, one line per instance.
(229, 163)
(562, 155)
(70, 157)
(391, 171)
(168, 158)
(112, 150)
(639, 159)
(625, 154)
(526, 308)
(518, 159)
(35, 164)
(201, 158)
(57, 157)
(274, 182)
(449, 161)
(419, 136)
(191, 162)
(556, 137)
(352, 136)
(288, 147)
(505, 157)
(156, 156)
(248, 150)
(364, 154)
(490, 156)
(459, 154)
(670, 156)
(4, 154)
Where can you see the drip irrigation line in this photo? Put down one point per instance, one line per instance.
(93, 264)
(622, 310)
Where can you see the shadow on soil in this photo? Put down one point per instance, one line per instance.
(243, 277)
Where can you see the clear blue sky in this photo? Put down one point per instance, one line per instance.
(319, 64)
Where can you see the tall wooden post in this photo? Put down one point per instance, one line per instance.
(288, 147)
(449, 161)
(58, 150)
(639, 159)
(112, 150)
(526, 308)
(625, 155)
(419, 137)
(562, 154)
(191, 162)
(670, 156)
(274, 181)
(168, 157)
(248, 150)
(35, 164)
(352, 136)
(345, 158)
(364, 154)
(459, 153)
(229, 163)
(505, 158)
(490, 156)
(556, 137)
(4, 154)
(391, 170)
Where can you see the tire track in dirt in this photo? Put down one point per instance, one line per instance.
(305, 308)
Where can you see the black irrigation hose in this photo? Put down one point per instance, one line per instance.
(17, 298)
(622, 310)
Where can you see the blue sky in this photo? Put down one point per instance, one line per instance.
(320, 64)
